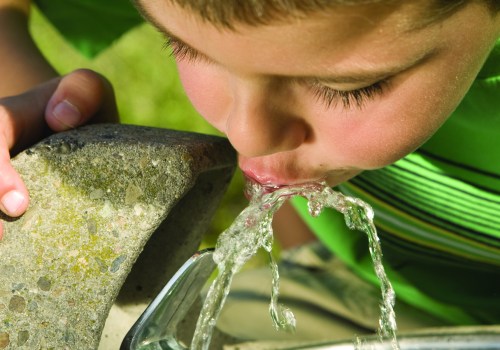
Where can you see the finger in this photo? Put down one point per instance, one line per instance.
(80, 96)
(14, 198)
(21, 124)
(21, 117)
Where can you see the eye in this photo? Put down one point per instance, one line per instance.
(181, 51)
(349, 98)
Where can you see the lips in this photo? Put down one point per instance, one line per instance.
(274, 172)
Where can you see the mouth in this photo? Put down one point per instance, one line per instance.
(272, 182)
(256, 189)
(271, 177)
(275, 172)
(267, 186)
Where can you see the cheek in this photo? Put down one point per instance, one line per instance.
(387, 130)
(414, 110)
(206, 90)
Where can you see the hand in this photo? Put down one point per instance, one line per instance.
(57, 105)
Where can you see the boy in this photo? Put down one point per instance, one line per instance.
(325, 90)
(340, 89)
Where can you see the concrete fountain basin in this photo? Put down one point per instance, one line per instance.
(115, 211)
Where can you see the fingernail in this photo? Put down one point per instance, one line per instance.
(12, 201)
(67, 114)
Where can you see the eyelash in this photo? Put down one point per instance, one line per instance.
(330, 97)
(350, 98)
(180, 51)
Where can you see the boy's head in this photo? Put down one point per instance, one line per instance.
(319, 89)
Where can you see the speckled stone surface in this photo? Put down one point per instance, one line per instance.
(98, 194)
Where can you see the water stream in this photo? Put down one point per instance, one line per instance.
(252, 230)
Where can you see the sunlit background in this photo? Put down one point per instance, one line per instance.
(148, 92)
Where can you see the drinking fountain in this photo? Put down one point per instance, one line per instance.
(115, 210)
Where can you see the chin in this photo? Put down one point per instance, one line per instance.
(336, 177)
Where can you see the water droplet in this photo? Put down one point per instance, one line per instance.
(315, 207)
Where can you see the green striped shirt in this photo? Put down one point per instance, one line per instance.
(437, 212)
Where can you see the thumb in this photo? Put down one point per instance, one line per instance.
(80, 97)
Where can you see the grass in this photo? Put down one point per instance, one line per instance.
(148, 92)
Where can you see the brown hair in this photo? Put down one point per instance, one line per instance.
(256, 12)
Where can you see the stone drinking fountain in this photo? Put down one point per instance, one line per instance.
(115, 211)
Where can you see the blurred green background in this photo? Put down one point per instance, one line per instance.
(148, 92)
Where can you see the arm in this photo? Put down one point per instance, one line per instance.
(23, 65)
(289, 228)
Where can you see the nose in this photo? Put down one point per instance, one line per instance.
(261, 120)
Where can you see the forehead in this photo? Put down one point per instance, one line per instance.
(227, 13)
(370, 34)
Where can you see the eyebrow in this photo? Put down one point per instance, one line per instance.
(367, 76)
(372, 76)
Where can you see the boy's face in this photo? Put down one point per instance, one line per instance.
(333, 94)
